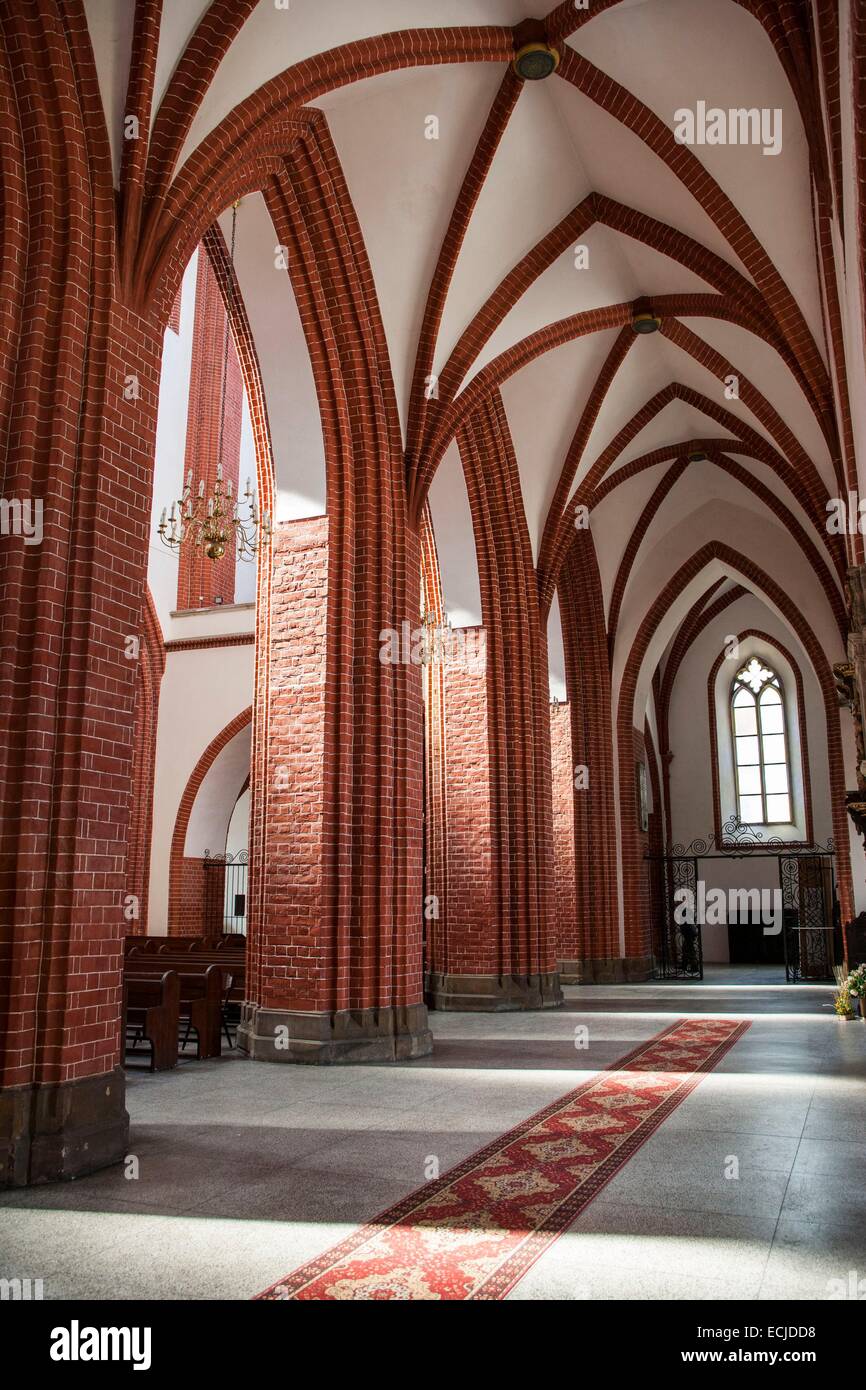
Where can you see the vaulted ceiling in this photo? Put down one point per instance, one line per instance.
(724, 240)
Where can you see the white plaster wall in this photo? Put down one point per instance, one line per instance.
(171, 421)
(555, 653)
(237, 839)
(287, 376)
(211, 814)
(455, 542)
(202, 691)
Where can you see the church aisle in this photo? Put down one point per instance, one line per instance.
(245, 1172)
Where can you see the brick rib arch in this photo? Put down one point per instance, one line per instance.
(758, 489)
(634, 543)
(257, 124)
(804, 483)
(473, 182)
(625, 107)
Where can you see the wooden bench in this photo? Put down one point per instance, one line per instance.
(201, 995)
(201, 1002)
(233, 982)
(151, 1007)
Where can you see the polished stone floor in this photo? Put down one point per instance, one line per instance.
(245, 1170)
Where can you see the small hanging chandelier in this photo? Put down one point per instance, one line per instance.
(219, 519)
(435, 636)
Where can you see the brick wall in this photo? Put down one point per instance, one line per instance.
(471, 943)
(196, 898)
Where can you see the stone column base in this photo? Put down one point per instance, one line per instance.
(363, 1035)
(493, 993)
(606, 970)
(52, 1133)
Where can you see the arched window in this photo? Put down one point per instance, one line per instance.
(760, 746)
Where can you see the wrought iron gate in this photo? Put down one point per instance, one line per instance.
(677, 944)
(811, 926)
(810, 915)
(225, 895)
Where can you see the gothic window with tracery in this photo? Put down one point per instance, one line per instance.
(760, 746)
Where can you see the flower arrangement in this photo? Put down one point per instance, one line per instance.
(856, 982)
(842, 1004)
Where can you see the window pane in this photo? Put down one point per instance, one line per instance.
(779, 809)
(774, 748)
(744, 697)
(775, 778)
(746, 720)
(751, 809)
(770, 695)
(750, 782)
(772, 721)
(747, 751)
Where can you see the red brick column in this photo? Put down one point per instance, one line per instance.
(562, 779)
(326, 980)
(435, 767)
(198, 577)
(637, 845)
(151, 665)
(337, 974)
(589, 945)
(79, 378)
(514, 966)
(470, 945)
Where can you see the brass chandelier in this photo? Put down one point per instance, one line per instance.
(218, 519)
(215, 521)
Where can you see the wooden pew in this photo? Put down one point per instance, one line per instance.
(201, 995)
(151, 1006)
(201, 999)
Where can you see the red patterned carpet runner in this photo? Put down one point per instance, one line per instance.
(475, 1231)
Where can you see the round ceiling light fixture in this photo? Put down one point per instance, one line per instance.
(643, 317)
(646, 322)
(535, 61)
(697, 456)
